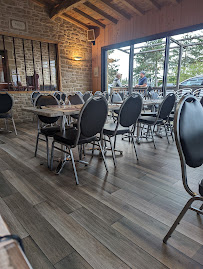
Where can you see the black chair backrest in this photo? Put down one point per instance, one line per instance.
(116, 97)
(98, 93)
(201, 101)
(34, 95)
(86, 96)
(122, 95)
(106, 95)
(6, 102)
(58, 96)
(189, 130)
(63, 97)
(80, 94)
(130, 110)
(45, 100)
(75, 99)
(167, 106)
(93, 116)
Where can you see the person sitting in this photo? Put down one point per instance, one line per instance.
(142, 80)
(117, 81)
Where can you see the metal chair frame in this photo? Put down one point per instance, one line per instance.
(195, 196)
(154, 124)
(68, 149)
(39, 126)
(131, 133)
(11, 116)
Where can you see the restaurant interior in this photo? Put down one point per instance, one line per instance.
(101, 134)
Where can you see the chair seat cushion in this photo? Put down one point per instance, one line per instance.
(149, 120)
(75, 116)
(116, 111)
(68, 137)
(50, 131)
(149, 114)
(109, 129)
(5, 115)
(171, 117)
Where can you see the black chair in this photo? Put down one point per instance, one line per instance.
(162, 116)
(75, 99)
(116, 98)
(106, 95)
(80, 94)
(45, 124)
(63, 97)
(201, 101)
(86, 96)
(89, 129)
(188, 129)
(57, 95)
(6, 104)
(34, 95)
(127, 117)
(60, 96)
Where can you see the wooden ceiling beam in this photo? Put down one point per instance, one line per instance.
(100, 12)
(155, 4)
(131, 4)
(73, 20)
(116, 9)
(63, 7)
(89, 17)
(43, 3)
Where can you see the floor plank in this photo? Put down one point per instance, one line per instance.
(73, 261)
(46, 237)
(97, 255)
(111, 220)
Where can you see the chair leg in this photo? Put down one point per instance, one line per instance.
(47, 143)
(93, 145)
(115, 142)
(74, 168)
(177, 221)
(14, 126)
(166, 133)
(201, 207)
(6, 126)
(103, 156)
(135, 147)
(152, 132)
(113, 152)
(52, 156)
(36, 147)
(171, 130)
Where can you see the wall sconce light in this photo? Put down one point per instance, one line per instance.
(77, 58)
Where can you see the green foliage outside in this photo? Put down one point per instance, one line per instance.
(152, 62)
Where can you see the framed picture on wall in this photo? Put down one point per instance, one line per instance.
(18, 25)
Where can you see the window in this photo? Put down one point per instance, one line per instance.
(118, 64)
(28, 64)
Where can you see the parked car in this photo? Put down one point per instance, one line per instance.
(194, 81)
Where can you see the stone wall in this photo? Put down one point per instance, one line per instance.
(75, 75)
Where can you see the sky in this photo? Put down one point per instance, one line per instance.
(123, 58)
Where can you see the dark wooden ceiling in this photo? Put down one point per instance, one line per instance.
(99, 13)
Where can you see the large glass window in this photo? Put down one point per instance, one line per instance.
(185, 63)
(118, 67)
(149, 57)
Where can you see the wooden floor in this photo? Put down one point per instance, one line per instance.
(108, 221)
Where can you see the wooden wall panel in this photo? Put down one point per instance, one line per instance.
(172, 17)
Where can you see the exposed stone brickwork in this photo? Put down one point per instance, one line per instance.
(76, 75)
